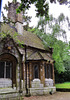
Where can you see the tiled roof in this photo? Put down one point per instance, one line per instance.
(31, 39)
(27, 38)
(38, 56)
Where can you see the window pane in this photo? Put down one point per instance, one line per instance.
(8, 70)
(1, 69)
(36, 71)
(45, 68)
(50, 70)
(7, 63)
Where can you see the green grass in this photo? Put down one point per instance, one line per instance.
(65, 85)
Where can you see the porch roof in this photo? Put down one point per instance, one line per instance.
(38, 56)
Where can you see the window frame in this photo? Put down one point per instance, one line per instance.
(5, 69)
(34, 70)
(48, 71)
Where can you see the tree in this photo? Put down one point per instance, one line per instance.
(58, 48)
(54, 26)
(42, 6)
(52, 39)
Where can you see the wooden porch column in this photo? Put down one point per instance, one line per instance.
(24, 74)
(23, 70)
(17, 77)
(30, 72)
(42, 73)
(27, 76)
(53, 73)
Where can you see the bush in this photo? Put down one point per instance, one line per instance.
(62, 77)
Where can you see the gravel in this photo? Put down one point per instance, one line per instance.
(55, 96)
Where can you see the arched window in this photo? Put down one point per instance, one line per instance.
(8, 64)
(36, 71)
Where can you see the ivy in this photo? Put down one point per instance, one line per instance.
(13, 36)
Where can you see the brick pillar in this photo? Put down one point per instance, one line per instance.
(19, 16)
(14, 17)
(19, 20)
(42, 73)
(11, 11)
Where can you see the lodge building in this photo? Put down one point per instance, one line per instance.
(25, 65)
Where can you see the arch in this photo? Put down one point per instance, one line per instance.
(8, 56)
(8, 63)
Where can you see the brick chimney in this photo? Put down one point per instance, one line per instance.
(14, 17)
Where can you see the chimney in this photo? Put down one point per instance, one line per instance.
(11, 12)
(14, 17)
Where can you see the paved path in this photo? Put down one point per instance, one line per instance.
(56, 96)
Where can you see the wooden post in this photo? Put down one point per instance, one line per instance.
(27, 76)
(42, 73)
(30, 76)
(26, 70)
(20, 72)
(17, 84)
(53, 73)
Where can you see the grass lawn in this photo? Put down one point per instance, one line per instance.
(65, 85)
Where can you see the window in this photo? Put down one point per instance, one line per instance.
(36, 71)
(5, 69)
(45, 67)
(49, 67)
(48, 70)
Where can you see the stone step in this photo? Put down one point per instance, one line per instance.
(7, 90)
(10, 94)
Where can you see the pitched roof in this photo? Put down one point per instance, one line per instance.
(31, 39)
(38, 56)
(27, 38)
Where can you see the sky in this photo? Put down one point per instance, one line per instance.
(54, 9)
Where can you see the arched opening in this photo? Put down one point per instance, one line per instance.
(8, 64)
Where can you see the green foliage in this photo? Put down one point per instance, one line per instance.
(57, 45)
(52, 39)
(60, 48)
(53, 25)
(62, 77)
(61, 18)
(42, 6)
(13, 36)
(66, 58)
